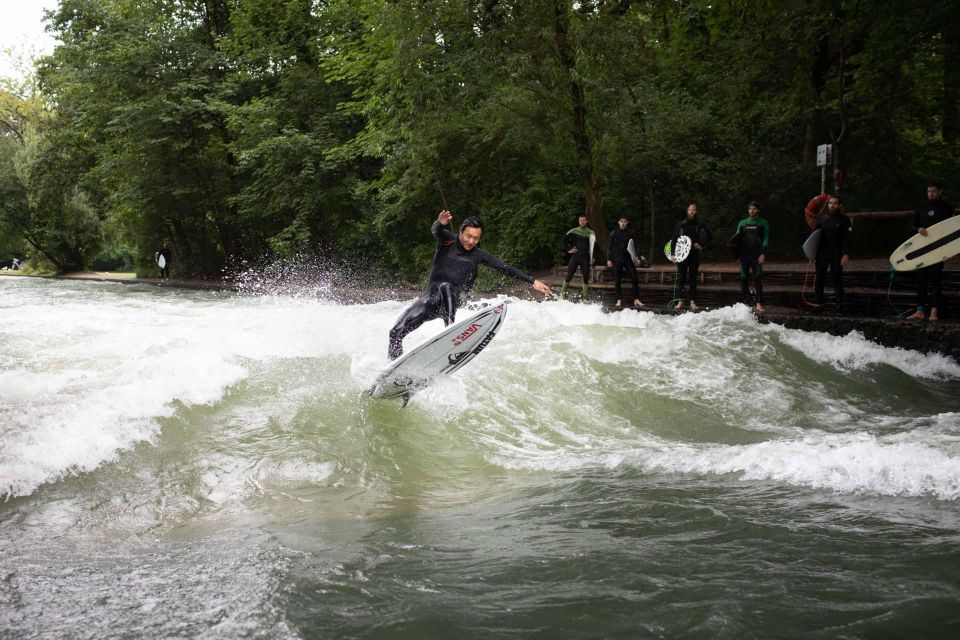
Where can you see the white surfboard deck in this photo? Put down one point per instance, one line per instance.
(680, 251)
(811, 244)
(941, 242)
(632, 250)
(161, 262)
(443, 354)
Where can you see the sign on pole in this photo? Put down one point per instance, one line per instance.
(824, 154)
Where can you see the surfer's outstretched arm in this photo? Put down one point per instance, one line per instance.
(496, 263)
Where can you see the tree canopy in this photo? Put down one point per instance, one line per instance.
(243, 130)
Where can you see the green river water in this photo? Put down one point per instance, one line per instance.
(203, 465)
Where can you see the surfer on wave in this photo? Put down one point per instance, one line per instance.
(453, 272)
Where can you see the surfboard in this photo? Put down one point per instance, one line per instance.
(811, 244)
(161, 262)
(941, 242)
(443, 354)
(682, 250)
(632, 250)
(733, 245)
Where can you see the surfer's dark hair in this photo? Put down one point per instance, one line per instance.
(935, 183)
(471, 221)
(753, 203)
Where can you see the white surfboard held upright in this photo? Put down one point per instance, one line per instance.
(941, 242)
(443, 354)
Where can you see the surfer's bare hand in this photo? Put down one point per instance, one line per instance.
(697, 245)
(762, 259)
(922, 231)
(542, 287)
(844, 260)
(445, 217)
(610, 263)
(572, 250)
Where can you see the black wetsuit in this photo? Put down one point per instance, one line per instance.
(926, 215)
(619, 255)
(453, 273)
(165, 271)
(835, 239)
(698, 233)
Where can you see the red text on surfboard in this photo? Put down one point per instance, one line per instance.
(466, 333)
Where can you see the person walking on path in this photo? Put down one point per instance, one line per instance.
(754, 235)
(833, 252)
(929, 213)
(579, 243)
(620, 259)
(699, 236)
(162, 258)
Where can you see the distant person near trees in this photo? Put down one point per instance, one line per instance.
(620, 260)
(754, 235)
(699, 236)
(929, 213)
(164, 264)
(833, 252)
(579, 245)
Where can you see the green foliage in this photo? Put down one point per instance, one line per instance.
(240, 131)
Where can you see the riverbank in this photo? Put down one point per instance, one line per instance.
(926, 337)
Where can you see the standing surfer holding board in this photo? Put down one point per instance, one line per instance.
(929, 213)
(833, 252)
(453, 272)
(699, 235)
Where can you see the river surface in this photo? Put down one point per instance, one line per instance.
(180, 464)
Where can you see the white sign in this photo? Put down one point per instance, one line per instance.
(824, 153)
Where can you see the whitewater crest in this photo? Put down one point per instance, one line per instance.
(90, 371)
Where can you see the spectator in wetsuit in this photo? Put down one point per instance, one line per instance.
(833, 252)
(620, 260)
(699, 236)
(929, 213)
(754, 239)
(453, 273)
(165, 252)
(579, 245)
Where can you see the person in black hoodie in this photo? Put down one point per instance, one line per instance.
(699, 236)
(619, 259)
(833, 252)
(929, 213)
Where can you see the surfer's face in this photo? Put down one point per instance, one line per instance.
(833, 204)
(623, 222)
(933, 193)
(582, 221)
(691, 212)
(753, 211)
(470, 237)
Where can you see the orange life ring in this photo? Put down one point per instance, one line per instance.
(814, 208)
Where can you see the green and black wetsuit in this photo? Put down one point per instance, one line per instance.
(582, 238)
(453, 272)
(754, 238)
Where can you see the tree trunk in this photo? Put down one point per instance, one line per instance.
(581, 136)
